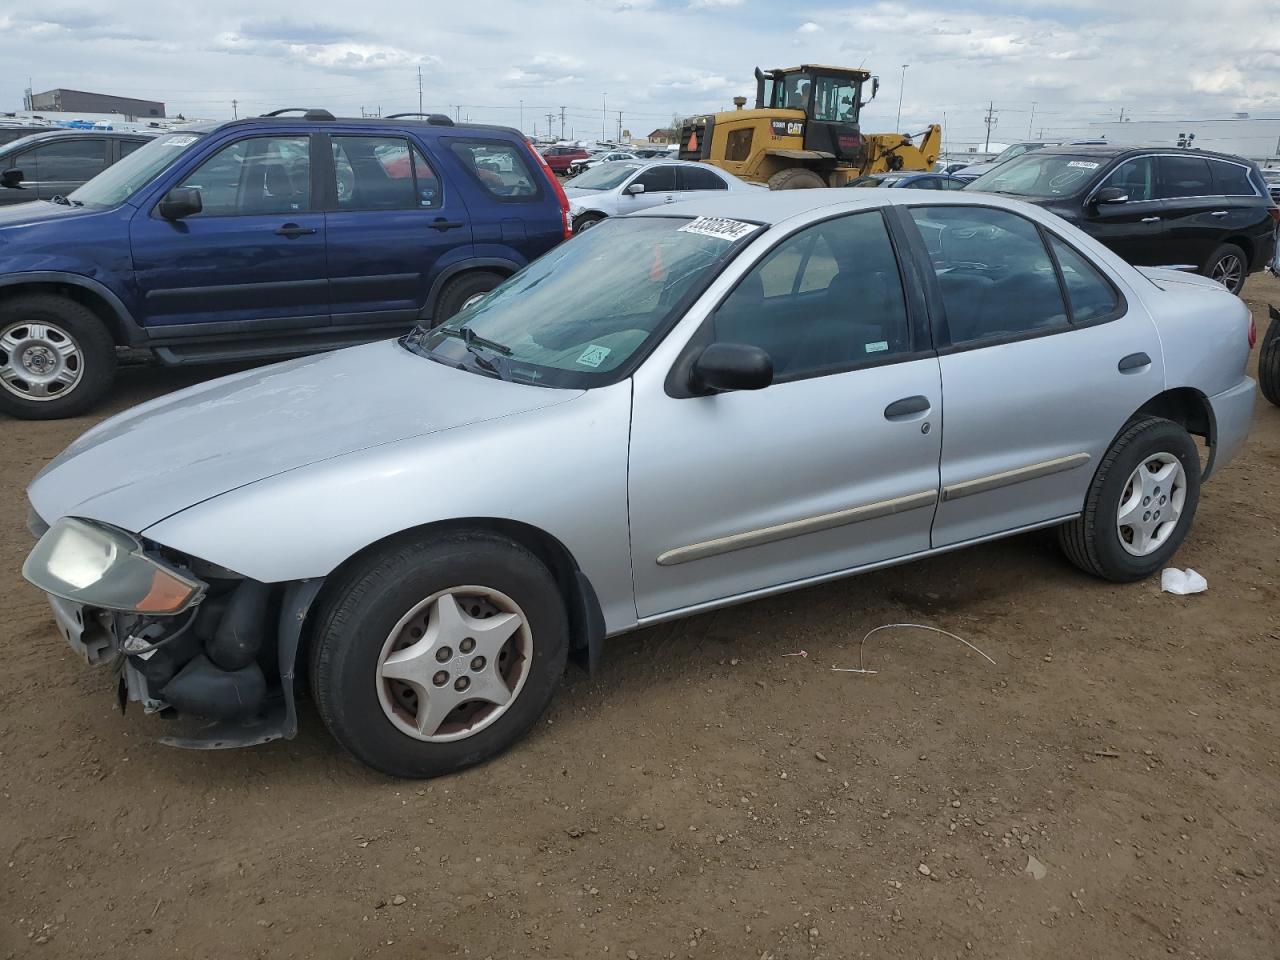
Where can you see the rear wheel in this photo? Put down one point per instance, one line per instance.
(56, 358)
(438, 653)
(1269, 361)
(1140, 504)
(1229, 266)
(462, 292)
(796, 178)
(586, 221)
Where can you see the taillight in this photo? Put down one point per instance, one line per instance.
(560, 194)
(1253, 332)
(1275, 214)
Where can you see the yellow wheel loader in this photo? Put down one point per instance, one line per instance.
(804, 132)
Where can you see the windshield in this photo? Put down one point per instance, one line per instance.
(576, 316)
(119, 182)
(1040, 175)
(604, 176)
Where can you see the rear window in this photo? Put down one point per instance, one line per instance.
(498, 167)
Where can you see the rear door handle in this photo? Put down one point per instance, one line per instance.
(441, 224)
(292, 230)
(1150, 219)
(1134, 363)
(906, 408)
(1218, 213)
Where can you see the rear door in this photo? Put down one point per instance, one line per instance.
(253, 259)
(392, 221)
(1193, 215)
(1042, 361)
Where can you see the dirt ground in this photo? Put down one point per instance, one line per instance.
(710, 794)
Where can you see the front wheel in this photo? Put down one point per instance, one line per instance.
(1140, 504)
(56, 358)
(1229, 266)
(438, 653)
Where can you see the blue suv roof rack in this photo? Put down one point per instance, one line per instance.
(437, 119)
(308, 113)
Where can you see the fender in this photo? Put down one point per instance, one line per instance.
(128, 331)
(462, 266)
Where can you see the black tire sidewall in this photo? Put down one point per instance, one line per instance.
(1161, 436)
(364, 610)
(97, 352)
(585, 221)
(461, 289)
(1225, 250)
(1269, 363)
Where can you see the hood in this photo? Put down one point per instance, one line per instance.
(577, 193)
(39, 211)
(176, 451)
(1167, 277)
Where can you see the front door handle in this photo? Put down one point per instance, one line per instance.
(1134, 363)
(906, 408)
(1150, 220)
(441, 224)
(669, 200)
(292, 230)
(1218, 213)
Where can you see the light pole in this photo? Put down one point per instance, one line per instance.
(604, 109)
(898, 125)
(522, 116)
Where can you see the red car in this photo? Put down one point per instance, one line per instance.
(559, 158)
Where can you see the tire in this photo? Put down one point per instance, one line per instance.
(795, 178)
(586, 221)
(458, 291)
(365, 619)
(1229, 266)
(69, 341)
(1269, 361)
(1094, 541)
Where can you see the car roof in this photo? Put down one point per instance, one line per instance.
(1125, 150)
(421, 124)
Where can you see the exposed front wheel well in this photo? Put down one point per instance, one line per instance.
(77, 294)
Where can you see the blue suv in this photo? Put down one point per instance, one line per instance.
(260, 238)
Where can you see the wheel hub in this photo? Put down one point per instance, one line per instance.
(454, 664)
(1151, 504)
(38, 361)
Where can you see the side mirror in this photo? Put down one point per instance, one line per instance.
(731, 366)
(181, 202)
(1111, 195)
(11, 179)
(635, 188)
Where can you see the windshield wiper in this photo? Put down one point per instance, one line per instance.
(66, 201)
(471, 338)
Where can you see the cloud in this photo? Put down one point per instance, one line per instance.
(341, 56)
(545, 69)
(808, 27)
(713, 4)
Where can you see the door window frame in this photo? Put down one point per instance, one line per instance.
(933, 290)
(315, 183)
(919, 334)
(330, 174)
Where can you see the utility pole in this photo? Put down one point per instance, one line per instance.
(901, 86)
(457, 112)
(1122, 114)
(419, 90)
(550, 123)
(990, 121)
(1032, 120)
(604, 112)
(562, 123)
(619, 126)
(235, 109)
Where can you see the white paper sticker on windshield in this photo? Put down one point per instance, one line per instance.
(183, 141)
(1084, 164)
(721, 228)
(593, 356)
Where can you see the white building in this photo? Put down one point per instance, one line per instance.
(1256, 138)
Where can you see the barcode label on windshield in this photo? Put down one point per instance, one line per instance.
(1083, 164)
(721, 228)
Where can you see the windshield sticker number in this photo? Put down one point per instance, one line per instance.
(593, 356)
(184, 141)
(1084, 164)
(721, 228)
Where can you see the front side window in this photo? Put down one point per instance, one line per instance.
(1137, 178)
(825, 299)
(995, 275)
(1185, 177)
(382, 173)
(1039, 174)
(661, 179)
(498, 166)
(577, 315)
(255, 176)
(835, 100)
(74, 160)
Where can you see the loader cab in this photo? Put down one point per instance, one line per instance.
(831, 99)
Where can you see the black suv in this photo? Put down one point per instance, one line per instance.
(1154, 206)
(56, 161)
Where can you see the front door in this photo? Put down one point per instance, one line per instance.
(660, 186)
(1035, 387)
(392, 220)
(253, 257)
(833, 466)
(1136, 228)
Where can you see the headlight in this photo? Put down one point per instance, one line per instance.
(104, 567)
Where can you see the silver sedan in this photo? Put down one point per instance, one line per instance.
(618, 188)
(675, 411)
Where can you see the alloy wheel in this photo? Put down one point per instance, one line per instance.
(39, 361)
(1228, 271)
(1151, 504)
(454, 664)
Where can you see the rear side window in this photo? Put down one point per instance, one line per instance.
(1091, 296)
(1231, 179)
(498, 166)
(700, 178)
(1185, 177)
(996, 277)
(382, 173)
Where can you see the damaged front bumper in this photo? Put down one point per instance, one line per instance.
(222, 672)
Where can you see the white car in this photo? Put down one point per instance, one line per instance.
(616, 189)
(610, 156)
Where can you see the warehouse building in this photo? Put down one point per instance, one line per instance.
(80, 101)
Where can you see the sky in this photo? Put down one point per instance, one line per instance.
(1057, 63)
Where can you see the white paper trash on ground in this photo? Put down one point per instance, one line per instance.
(1182, 582)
